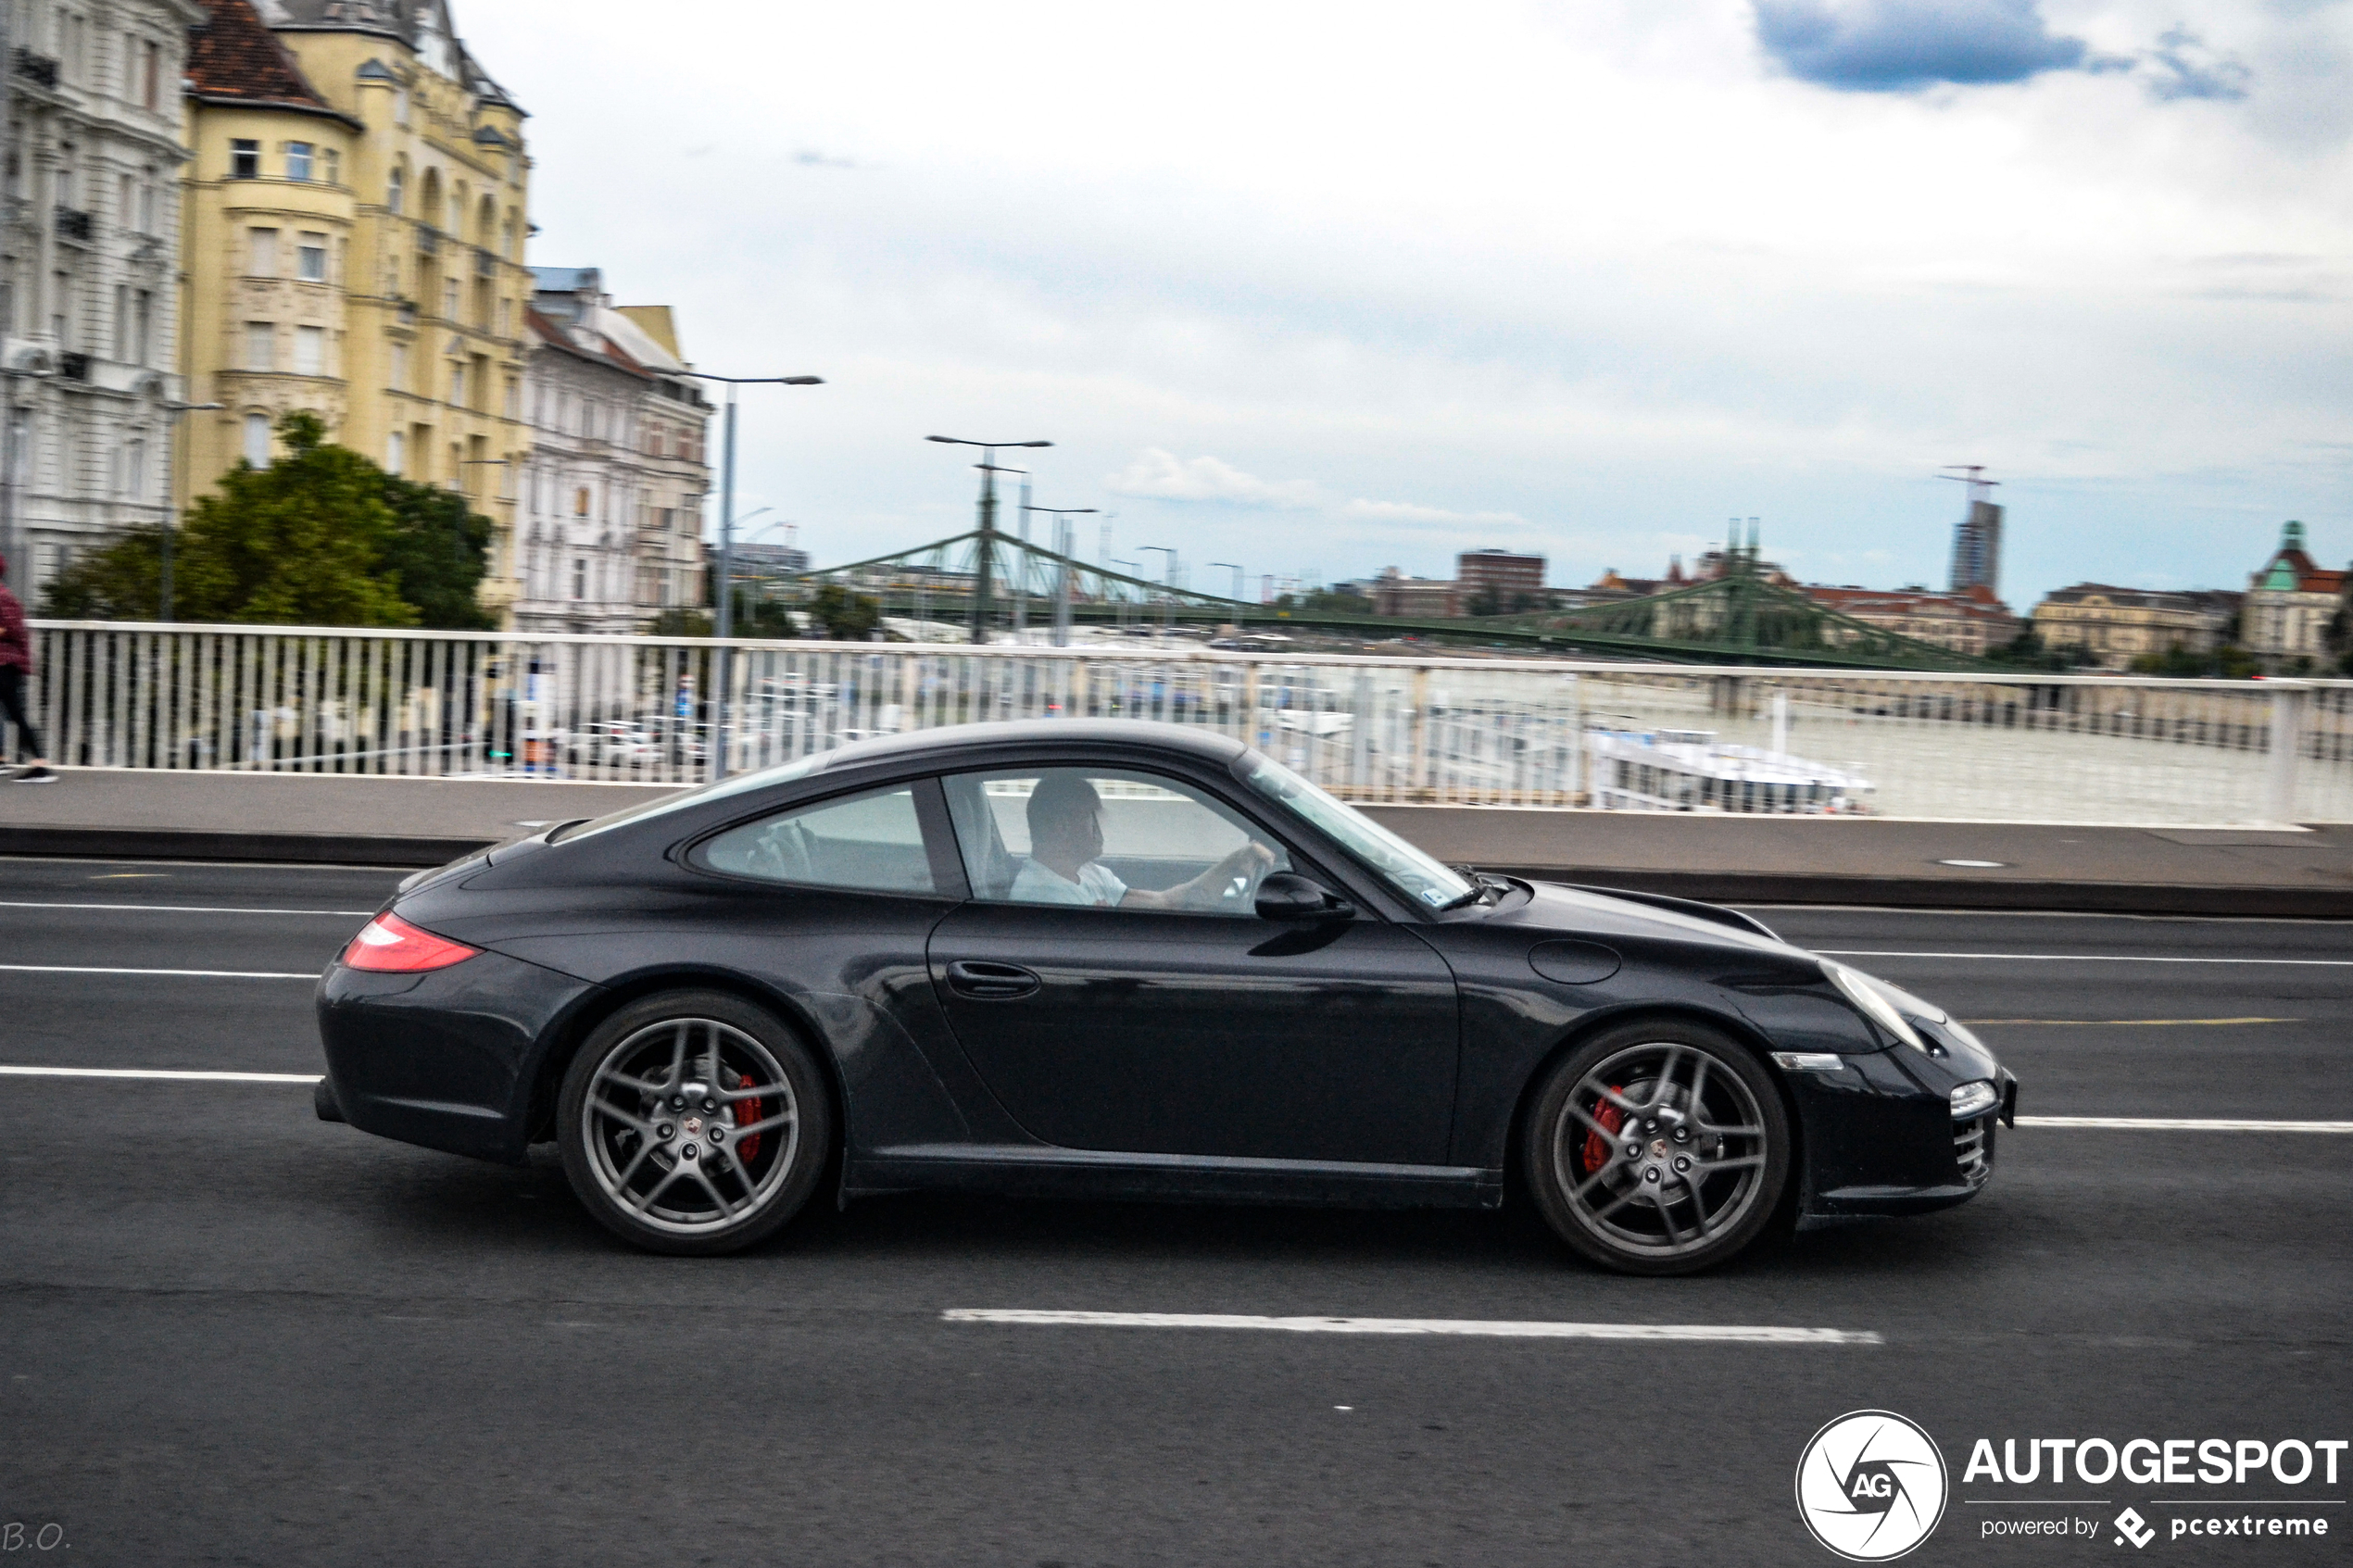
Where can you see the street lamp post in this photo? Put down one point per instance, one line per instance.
(1168, 581)
(726, 623)
(1065, 545)
(986, 563)
(170, 522)
(1135, 569)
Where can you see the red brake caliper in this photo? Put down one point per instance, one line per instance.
(743, 1113)
(1595, 1154)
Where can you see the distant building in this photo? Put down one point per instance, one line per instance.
(1419, 598)
(770, 560)
(2290, 603)
(1977, 549)
(2117, 625)
(1973, 622)
(611, 494)
(1498, 581)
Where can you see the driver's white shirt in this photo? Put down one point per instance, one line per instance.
(1036, 884)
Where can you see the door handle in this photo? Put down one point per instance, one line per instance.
(990, 982)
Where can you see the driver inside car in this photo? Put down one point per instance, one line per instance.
(1066, 844)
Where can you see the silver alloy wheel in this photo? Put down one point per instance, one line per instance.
(690, 1125)
(1656, 1155)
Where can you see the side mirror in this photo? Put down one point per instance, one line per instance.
(1287, 896)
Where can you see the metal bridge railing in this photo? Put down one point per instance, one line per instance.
(1438, 731)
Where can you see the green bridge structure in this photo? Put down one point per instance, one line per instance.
(987, 583)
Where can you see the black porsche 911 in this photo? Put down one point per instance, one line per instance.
(1116, 959)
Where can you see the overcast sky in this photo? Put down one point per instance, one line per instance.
(1323, 289)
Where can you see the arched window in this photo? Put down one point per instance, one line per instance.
(485, 223)
(257, 440)
(580, 502)
(396, 190)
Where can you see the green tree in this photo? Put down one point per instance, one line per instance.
(321, 537)
(678, 622)
(120, 582)
(301, 542)
(437, 552)
(847, 617)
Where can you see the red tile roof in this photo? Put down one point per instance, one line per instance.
(234, 58)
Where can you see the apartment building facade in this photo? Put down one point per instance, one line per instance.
(359, 204)
(89, 239)
(611, 494)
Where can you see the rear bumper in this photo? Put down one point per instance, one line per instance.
(446, 1060)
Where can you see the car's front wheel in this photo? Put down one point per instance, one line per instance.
(693, 1122)
(1658, 1147)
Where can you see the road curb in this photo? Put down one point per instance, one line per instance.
(178, 844)
(1958, 892)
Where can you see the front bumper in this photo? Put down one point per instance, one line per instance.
(1882, 1142)
(448, 1059)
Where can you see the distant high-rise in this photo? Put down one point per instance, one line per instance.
(1977, 549)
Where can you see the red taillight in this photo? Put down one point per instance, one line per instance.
(390, 943)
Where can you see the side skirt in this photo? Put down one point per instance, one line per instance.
(1041, 1171)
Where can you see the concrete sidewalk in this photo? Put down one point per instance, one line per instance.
(393, 822)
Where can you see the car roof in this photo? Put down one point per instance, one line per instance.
(948, 741)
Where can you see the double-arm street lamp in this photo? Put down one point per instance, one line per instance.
(986, 563)
(727, 617)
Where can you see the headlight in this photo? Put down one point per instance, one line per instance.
(1878, 1001)
(1974, 1099)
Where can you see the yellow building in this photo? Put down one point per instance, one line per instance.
(2117, 625)
(356, 215)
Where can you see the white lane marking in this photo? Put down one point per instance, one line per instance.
(184, 973)
(2076, 958)
(1470, 1327)
(181, 908)
(166, 1073)
(2183, 1125)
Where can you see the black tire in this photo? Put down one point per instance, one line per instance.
(1628, 1172)
(741, 1158)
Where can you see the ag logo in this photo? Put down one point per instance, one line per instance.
(1870, 1485)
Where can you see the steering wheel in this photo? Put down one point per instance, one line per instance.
(1241, 892)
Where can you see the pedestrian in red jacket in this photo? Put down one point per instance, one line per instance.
(16, 669)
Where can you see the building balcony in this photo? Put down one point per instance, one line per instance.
(74, 225)
(428, 240)
(39, 69)
(486, 264)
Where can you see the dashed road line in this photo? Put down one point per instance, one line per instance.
(177, 974)
(179, 909)
(164, 1074)
(2183, 1125)
(2080, 958)
(1721, 1334)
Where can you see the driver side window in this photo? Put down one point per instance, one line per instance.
(1104, 838)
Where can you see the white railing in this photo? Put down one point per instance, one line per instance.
(1452, 730)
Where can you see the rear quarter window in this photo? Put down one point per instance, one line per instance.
(873, 843)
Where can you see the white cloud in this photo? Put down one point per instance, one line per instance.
(1361, 509)
(1159, 475)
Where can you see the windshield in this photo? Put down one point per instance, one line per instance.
(1410, 870)
(739, 784)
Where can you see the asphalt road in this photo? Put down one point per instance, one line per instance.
(230, 1333)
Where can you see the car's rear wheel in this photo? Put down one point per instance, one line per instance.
(1658, 1147)
(693, 1121)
